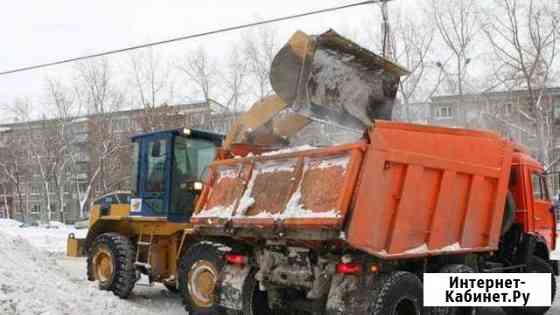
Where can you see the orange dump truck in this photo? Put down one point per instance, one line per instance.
(350, 229)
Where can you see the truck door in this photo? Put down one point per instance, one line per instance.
(543, 213)
(154, 181)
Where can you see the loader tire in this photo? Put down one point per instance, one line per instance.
(453, 310)
(198, 275)
(396, 293)
(111, 262)
(535, 265)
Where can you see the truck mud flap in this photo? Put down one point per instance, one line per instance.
(349, 295)
(230, 287)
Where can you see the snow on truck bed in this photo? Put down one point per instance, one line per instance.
(295, 183)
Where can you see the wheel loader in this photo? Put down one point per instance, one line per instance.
(321, 79)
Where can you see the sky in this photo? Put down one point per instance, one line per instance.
(37, 31)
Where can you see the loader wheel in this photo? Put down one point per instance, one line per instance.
(198, 276)
(397, 293)
(453, 310)
(111, 262)
(535, 265)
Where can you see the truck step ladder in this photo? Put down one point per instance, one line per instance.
(142, 243)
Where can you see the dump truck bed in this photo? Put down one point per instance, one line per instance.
(294, 188)
(405, 191)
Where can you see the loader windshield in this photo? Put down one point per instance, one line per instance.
(191, 158)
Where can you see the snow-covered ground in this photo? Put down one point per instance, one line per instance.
(36, 278)
(51, 238)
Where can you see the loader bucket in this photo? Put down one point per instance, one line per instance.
(75, 247)
(330, 78)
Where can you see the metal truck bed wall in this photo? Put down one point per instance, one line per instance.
(309, 189)
(426, 190)
(412, 191)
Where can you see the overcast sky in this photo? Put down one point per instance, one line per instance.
(37, 31)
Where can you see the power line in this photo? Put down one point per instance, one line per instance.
(176, 39)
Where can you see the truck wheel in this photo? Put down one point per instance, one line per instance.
(198, 276)
(453, 310)
(111, 262)
(397, 293)
(535, 265)
(255, 301)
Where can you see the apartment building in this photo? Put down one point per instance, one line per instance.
(507, 113)
(35, 181)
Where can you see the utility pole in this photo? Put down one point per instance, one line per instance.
(386, 31)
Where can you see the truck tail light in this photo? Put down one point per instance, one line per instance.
(348, 268)
(236, 259)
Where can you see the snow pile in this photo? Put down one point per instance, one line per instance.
(290, 150)
(9, 223)
(50, 238)
(295, 210)
(31, 282)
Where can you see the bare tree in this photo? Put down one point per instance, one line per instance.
(151, 78)
(40, 150)
(412, 47)
(525, 42)
(235, 81)
(201, 71)
(98, 93)
(14, 168)
(260, 47)
(62, 107)
(457, 23)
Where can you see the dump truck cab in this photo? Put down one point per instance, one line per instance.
(535, 211)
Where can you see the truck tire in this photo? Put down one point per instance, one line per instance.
(255, 301)
(397, 293)
(111, 262)
(535, 265)
(453, 310)
(198, 275)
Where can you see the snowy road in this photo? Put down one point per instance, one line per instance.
(155, 300)
(36, 278)
(158, 299)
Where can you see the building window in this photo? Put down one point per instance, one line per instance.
(444, 112)
(36, 188)
(507, 108)
(35, 209)
(121, 124)
(557, 109)
(83, 187)
(68, 188)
